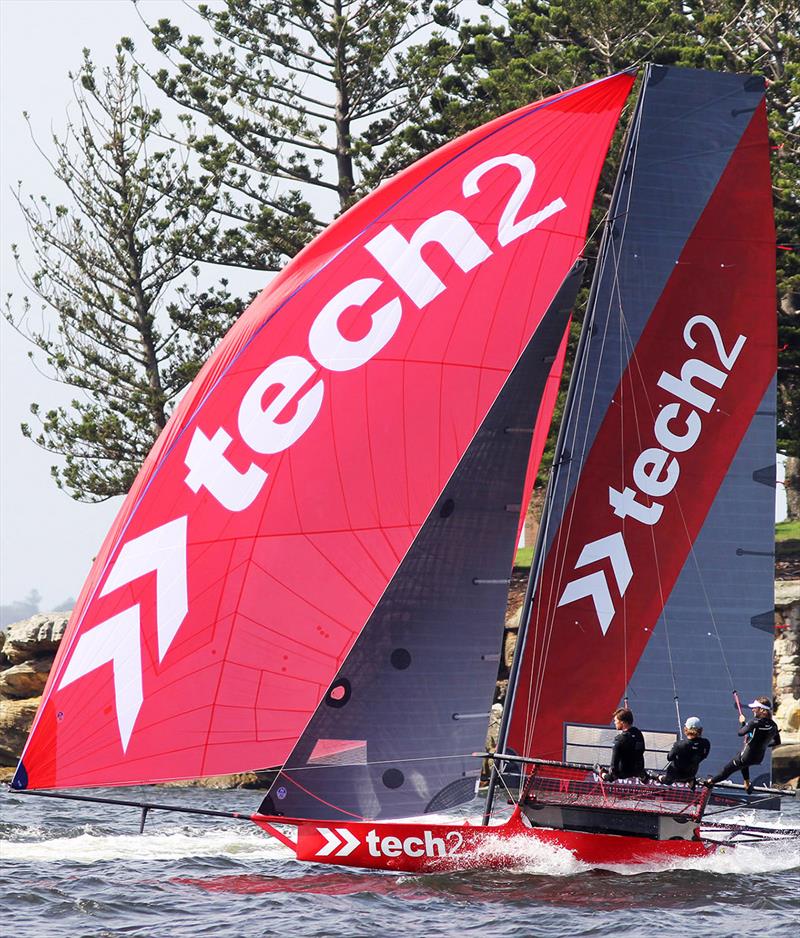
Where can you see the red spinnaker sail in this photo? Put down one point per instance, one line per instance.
(542, 429)
(294, 475)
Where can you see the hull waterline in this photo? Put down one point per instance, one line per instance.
(430, 848)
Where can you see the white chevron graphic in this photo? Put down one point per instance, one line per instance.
(118, 640)
(596, 584)
(341, 837)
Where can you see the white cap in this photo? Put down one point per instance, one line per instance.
(757, 705)
(693, 723)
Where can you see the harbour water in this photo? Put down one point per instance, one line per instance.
(72, 870)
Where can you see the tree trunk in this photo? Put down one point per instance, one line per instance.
(792, 485)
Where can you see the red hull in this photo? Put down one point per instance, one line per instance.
(427, 848)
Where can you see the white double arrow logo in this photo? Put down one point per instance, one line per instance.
(596, 584)
(340, 838)
(118, 639)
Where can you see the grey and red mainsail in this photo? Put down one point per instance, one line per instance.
(657, 572)
(278, 505)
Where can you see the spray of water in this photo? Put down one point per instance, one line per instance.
(166, 844)
(519, 855)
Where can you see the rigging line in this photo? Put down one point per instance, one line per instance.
(629, 164)
(538, 667)
(564, 531)
(634, 361)
(501, 778)
(545, 521)
(546, 516)
(542, 543)
(329, 804)
(525, 618)
(698, 570)
(622, 369)
(354, 765)
(561, 536)
(630, 160)
(706, 597)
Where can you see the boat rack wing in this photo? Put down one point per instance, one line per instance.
(571, 786)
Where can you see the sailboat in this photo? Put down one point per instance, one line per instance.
(311, 569)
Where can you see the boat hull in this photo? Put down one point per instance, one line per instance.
(429, 848)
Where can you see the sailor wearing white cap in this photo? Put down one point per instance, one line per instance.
(761, 733)
(686, 754)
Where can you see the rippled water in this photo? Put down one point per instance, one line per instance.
(73, 871)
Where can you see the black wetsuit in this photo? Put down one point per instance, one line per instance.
(684, 760)
(627, 756)
(762, 734)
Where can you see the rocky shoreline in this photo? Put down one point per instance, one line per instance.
(27, 650)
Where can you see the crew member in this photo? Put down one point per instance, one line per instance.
(627, 756)
(686, 754)
(761, 734)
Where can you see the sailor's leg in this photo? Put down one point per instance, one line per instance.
(668, 776)
(727, 770)
(605, 775)
(746, 777)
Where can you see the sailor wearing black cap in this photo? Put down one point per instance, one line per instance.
(686, 754)
(761, 733)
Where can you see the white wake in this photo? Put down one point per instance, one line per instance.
(166, 844)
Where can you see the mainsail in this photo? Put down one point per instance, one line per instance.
(655, 584)
(280, 501)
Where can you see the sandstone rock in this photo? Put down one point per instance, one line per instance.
(508, 648)
(786, 763)
(16, 717)
(241, 780)
(512, 620)
(788, 715)
(787, 592)
(26, 679)
(36, 637)
(493, 732)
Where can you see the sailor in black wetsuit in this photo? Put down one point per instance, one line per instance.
(627, 756)
(686, 754)
(761, 734)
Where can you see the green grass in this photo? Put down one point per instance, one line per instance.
(524, 557)
(787, 531)
(787, 539)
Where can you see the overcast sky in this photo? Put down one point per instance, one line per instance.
(47, 541)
